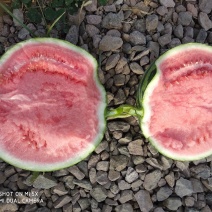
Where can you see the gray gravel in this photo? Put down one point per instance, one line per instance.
(125, 173)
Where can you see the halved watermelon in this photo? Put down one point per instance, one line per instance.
(52, 106)
(177, 102)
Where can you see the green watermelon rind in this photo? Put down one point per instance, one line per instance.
(100, 113)
(147, 110)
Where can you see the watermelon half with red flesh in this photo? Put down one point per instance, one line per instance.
(177, 103)
(52, 106)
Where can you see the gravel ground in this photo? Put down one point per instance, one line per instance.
(125, 173)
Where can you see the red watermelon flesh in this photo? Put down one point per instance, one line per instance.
(49, 105)
(180, 121)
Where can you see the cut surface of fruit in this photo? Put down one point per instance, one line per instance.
(51, 105)
(177, 103)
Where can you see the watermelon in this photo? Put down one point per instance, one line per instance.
(176, 97)
(52, 106)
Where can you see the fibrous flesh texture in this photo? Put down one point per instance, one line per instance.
(178, 118)
(50, 105)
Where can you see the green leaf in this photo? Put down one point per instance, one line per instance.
(68, 2)
(26, 1)
(57, 3)
(50, 14)
(16, 4)
(34, 15)
(102, 2)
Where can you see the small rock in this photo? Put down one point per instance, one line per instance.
(151, 22)
(112, 61)
(205, 6)
(119, 80)
(92, 30)
(162, 10)
(61, 201)
(173, 203)
(119, 97)
(73, 34)
(113, 20)
(93, 19)
(126, 207)
(18, 13)
(201, 37)
(123, 185)
(68, 180)
(191, 8)
(23, 33)
(174, 42)
(84, 203)
(154, 163)
(93, 161)
(178, 31)
(185, 18)
(159, 209)
(92, 175)
(201, 170)
(204, 21)
(189, 201)
(189, 32)
(101, 177)
(131, 175)
(118, 125)
(180, 8)
(151, 180)
(2, 177)
(9, 170)
(167, 3)
(141, 168)
(118, 162)
(44, 181)
(135, 147)
(113, 33)
(74, 170)
(140, 25)
(136, 68)
(183, 187)
(163, 193)
(144, 200)
(126, 196)
(164, 39)
(166, 162)
(113, 175)
(92, 7)
(137, 38)
(101, 147)
(96, 40)
(102, 165)
(106, 208)
(83, 184)
(197, 185)
(60, 189)
(110, 8)
(4, 207)
(99, 193)
(109, 43)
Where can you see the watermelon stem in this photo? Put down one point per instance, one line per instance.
(124, 111)
(34, 176)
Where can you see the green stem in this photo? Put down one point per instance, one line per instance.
(124, 111)
(34, 176)
(50, 28)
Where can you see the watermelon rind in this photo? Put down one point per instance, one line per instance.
(145, 95)
(34, 166)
